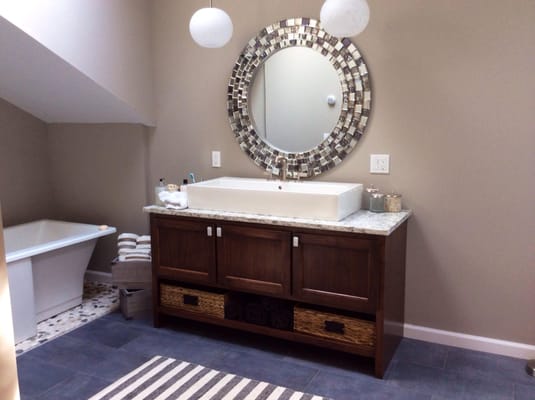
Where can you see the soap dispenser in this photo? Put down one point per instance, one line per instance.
(157, 190)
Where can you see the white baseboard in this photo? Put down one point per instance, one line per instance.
(479, 343)
(97, 276)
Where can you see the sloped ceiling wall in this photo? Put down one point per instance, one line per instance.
(78, 60)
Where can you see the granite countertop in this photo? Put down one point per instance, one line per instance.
(362, 221)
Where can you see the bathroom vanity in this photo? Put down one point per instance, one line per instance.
(338, 282)
(335, 284)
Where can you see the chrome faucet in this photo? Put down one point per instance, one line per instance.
(284, 166)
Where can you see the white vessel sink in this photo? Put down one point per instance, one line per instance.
(305, 199)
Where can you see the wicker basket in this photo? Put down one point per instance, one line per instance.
(334, 326)
(193, 300)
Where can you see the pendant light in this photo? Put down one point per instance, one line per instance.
(344, 18)
(211, 27)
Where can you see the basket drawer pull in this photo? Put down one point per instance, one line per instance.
(191, 300)
(334, 327)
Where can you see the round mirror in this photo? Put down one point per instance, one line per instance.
(274, 110)
(288, 111)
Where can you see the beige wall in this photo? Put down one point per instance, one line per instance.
(98, 177)
(24, 168)
(453, 101)
(9, 386)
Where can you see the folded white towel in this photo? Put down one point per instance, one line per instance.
(174, 200)
(134, 251)
(122, 252)
(127, 236)
(127, 244)
(141, 256)
(143, 246)
(143, 239)
(131, 257)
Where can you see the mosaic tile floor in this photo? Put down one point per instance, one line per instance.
(99, 299)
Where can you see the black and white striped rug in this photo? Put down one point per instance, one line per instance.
(165, 378)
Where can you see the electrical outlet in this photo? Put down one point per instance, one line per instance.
(380, 163)
(216, 159)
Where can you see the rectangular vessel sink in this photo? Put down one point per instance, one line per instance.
(331, 201)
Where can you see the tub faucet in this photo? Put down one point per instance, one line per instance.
(284, 166)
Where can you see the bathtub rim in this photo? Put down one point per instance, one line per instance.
(56, 244)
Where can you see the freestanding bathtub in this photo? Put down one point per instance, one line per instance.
(46, 262)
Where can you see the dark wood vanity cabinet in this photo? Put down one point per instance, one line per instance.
(345, 290)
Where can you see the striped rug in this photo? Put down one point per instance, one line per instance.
(165, 378)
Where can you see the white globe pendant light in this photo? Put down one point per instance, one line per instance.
(344, 18)
(211, 27)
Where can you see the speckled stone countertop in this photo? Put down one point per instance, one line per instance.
(362, 221)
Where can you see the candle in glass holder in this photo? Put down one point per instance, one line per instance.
(377, 202)
(393, 202)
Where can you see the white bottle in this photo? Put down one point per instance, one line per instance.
(157, 190)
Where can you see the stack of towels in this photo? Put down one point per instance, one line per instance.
(133, 247)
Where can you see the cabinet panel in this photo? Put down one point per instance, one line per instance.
(335, 271)
(184, 250)
(252, 259)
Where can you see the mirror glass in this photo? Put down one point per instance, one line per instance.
(287, 110)
(283, 114)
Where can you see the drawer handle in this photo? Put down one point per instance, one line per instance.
(334, 327)
(191, 300)
(209, 231)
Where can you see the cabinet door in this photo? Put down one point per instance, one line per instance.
(336, 271)
(184, 250)
(254, 260)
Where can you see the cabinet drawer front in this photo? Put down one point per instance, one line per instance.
(336, 271)
(192, 300)
(336, 327)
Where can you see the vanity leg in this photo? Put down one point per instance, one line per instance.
(156, 319)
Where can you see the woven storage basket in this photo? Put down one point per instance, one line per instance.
(193, 300)
(334, 326)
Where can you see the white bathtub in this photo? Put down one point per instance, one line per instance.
(46, 262)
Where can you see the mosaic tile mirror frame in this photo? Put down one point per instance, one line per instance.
(356, 97)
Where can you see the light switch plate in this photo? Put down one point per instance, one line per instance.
(216, 159)
(380, 163)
